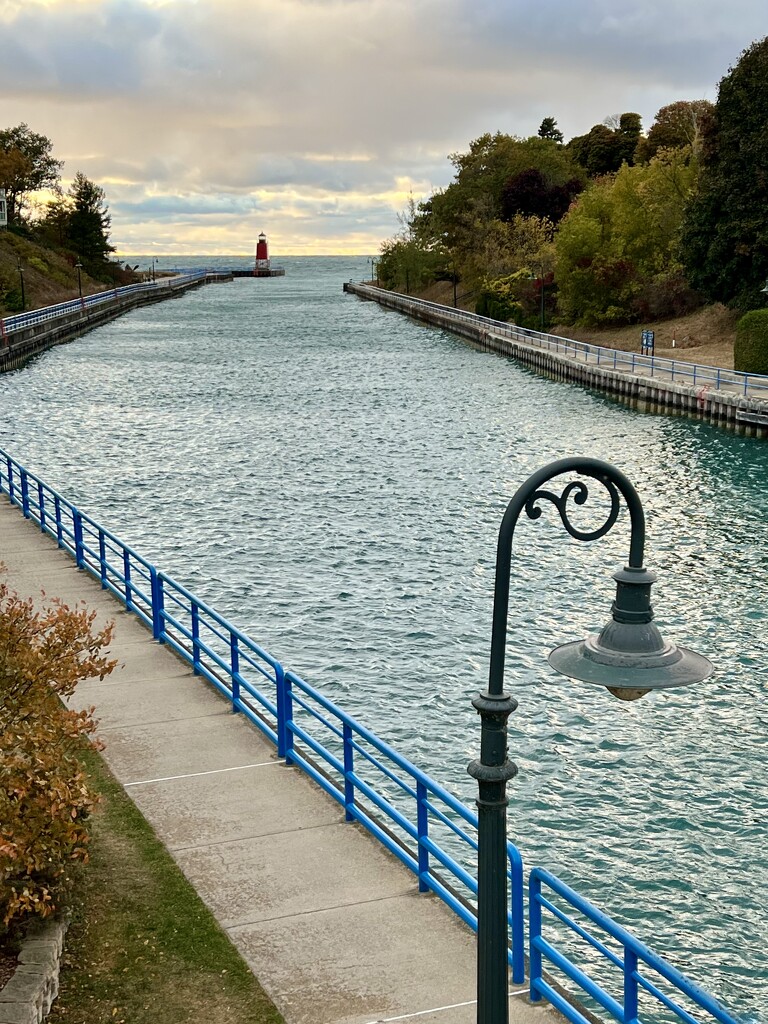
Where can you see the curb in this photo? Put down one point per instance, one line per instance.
(27, 997)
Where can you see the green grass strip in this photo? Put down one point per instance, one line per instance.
(143, 947)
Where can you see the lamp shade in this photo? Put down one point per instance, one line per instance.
(629, 656)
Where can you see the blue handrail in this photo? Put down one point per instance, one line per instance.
(635, 963)
(414, 817)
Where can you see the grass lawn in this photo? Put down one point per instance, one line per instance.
(142, 947)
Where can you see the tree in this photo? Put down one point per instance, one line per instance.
(726, 232)
(606, 146)
(618, 248)
(89, 221)
(548, 130)
(676, 125)
(530, 194)
(26, 166)
(44, 799)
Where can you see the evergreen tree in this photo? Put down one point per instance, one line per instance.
(725, 238)
(548, 130)
(89, 221)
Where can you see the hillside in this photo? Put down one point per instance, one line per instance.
(49, 277)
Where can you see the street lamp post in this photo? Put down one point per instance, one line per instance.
(23, 296)
(542, 300)
(629, 657)
(79, 268)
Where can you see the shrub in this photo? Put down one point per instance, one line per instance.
(44, 799)
(750, 350)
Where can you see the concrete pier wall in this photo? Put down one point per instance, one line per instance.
(725, 406)
(19, 346)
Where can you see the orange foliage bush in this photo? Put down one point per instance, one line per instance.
(44, 799)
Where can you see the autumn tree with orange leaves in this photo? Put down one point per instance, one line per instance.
(44, 797)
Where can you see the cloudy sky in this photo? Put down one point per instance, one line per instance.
(207, 121)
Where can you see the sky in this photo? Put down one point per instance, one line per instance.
(208, 121)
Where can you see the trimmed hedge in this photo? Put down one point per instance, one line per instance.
(750, 350)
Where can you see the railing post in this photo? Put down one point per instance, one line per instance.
(284, 715)
(422, 828)
(517, 909)
(9, 466)
(158, 600)
(59, 528)
(534, 926)
(349, 767)
(77, 528)
(127, 579)
(234, 658)
(630, 987)
(195, 612)
(103, 559)
(24, 493)
(41, 504)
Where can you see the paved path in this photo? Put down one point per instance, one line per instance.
(331, 924)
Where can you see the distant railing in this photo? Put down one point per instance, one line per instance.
(676, 370)
(414, 817)
(19, 321)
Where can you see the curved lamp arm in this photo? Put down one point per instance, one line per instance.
(525, 499)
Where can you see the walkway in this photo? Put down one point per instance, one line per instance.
(331, 924)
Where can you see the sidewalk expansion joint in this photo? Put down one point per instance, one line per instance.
(257, 836)
(436, 1009)
(233, 926)
(195, 775)
(160, 721)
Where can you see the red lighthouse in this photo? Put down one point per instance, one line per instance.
(262, 256)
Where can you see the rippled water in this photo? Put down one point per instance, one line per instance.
(332, 476)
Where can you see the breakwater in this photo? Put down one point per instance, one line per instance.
(28, 334)
(723, 398)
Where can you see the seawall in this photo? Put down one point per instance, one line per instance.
(23, 337)
(722, 398)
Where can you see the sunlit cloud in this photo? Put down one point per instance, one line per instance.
(315, 120)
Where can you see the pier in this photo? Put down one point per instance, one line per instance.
(725, 398)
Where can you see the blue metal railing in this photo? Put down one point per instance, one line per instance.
(646, 987)
(19, 321)
(415, 818)
(676, 370)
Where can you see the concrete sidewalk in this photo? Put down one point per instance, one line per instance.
(332, 925)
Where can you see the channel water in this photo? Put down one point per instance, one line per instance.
(331, 477)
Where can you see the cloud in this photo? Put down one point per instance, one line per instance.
(213, 106)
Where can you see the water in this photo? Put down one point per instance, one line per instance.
(331, 477)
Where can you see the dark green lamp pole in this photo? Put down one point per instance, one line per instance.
(23, 297)
(78, 268)
(542, 300)
(629, 657)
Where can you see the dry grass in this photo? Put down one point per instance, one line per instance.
(704, 337)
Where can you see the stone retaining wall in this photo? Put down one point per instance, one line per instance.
(743, 414)
(27, 997)
(18, 347)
